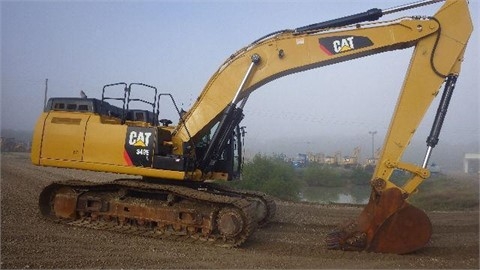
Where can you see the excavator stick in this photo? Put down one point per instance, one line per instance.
(388, 224)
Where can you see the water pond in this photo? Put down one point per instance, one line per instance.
(350, 194)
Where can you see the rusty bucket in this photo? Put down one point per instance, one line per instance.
(388, 224)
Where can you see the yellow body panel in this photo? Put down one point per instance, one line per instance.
(37, 139)
(104, 142)
(123, 169)
(63, 135)
(80, 140)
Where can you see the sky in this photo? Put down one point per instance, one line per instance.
(177, 45)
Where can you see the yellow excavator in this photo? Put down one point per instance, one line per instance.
(175, 197)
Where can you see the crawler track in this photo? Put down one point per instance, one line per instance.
(266, 209)
(211, 214)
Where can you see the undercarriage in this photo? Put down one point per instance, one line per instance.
(206, 212)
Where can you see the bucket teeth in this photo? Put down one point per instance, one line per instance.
(357, 241)
(333, 240)
(346, 239)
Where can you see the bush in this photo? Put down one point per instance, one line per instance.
(319, 175)
(270, 175)
(328, 176)
(359, 176)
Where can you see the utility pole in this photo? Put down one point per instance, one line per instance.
(373, 143)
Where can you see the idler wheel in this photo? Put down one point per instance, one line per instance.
(261, 210)
(230, 222)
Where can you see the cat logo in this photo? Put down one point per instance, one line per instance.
(139, 138)
(342, 44)
(139, 144)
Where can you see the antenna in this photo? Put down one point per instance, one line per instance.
(45, 96)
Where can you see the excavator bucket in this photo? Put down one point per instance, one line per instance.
(388, 224)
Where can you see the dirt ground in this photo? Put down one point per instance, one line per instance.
(293, 240)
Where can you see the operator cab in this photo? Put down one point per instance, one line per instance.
(94, 105)
(104, 108)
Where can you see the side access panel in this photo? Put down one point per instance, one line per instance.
(104, 142)
(63, 136)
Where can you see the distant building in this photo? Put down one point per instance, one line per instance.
(330, 160)
(316, 158)
(434, 168)
(351, 161)
(471, 163)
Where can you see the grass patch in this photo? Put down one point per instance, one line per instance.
(448, 193)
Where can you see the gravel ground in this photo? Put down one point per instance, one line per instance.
(293, 240)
